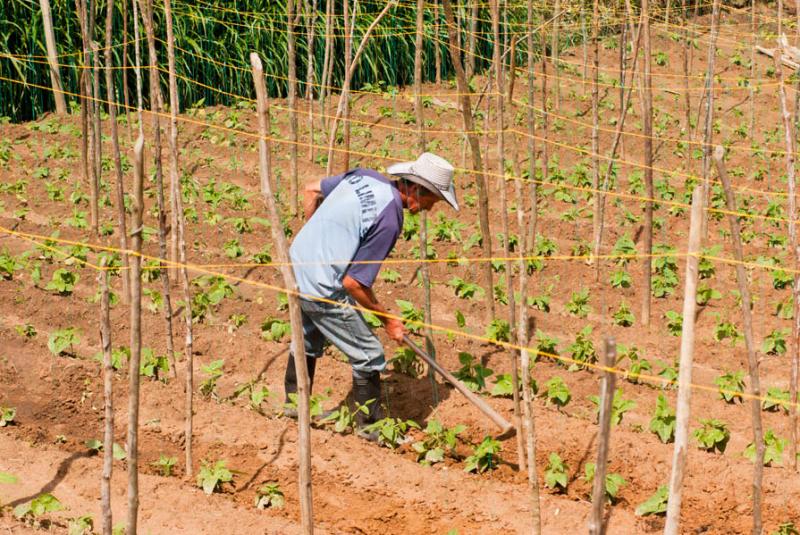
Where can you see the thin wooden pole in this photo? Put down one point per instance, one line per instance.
(473, 31)
(326, 62)
(685, 367)
(596, 525)
(423, 225)
(96, 134)
(108, 401)
(500, 118)
(291, 46)
(790, 175)
(155, 92)
(125, 91)
(598, 197)
(349, 25)
(298, 346)
(623, 113)
(120, 187)
(311, 16)
(180, 242)
(709, 118)
(437, 49)
(345, 95)
(477, 162)
(554, 56)
(50, 42)
(136, 336)
(752, 362)
(137, 46)
(647, 123)
(687, 126)
(526, 246)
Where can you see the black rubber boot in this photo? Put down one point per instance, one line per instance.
(366, 389)
(290, 382)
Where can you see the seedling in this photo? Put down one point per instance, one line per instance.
(705, 294)
(344, 419)
(390, 275)
(63, 282)
(34, 509)
(274, 329)
(27, 330)
(214, 371)
(83, 525)
(731, 386)
(406, 361)
(555, 475)
(60, 340)
(438, 442)
(484, 457)
(498, 330)
(674, 322)
(233, 249)
(663, 421)
(8, 265)
(776, 399)
(391, 431)
(165, 464)
(472, 373)
(315, 404)
(614, 482)
(620, 279)
(412, 316)
(582, 349)
(464, 289)
(210, 478)
(619, 406)
(7, 415)
(773, 450)
(578, 305)
(775, 342)
(557, 391)
(546, 345)
(725, 330)
(787, 528)
(713, 435)
(270, 495)
(655, 504)
(503, 386)
(151, 364)
(623, 316)
(264, 256)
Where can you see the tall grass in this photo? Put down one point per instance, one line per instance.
(218, 35)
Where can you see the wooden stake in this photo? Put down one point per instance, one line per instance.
(755, 386)
(500, 118)
(526, 246)
(477, 162)
(623, 113)
(685, 367)
(598, 197)
(311, 16)
(596, 525)
(298, 346)
(155, 91)
(687, 121)
(647, 123)
(136, 336)
(437, 49)
(96, 135)
(108, 401)
(345, 95)
(292, 97)
(326, 62)
(180, 242)
(709, 119)
(790, 174)
(138, 66)
(554, 56)
(55, 74)
(473, 31)
(120, 189)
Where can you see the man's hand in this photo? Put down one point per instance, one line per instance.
(312, 197)
(365, 297)
(395, 329)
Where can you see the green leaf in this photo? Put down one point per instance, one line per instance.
(655, 504)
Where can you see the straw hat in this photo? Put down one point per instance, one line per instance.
(432, 172)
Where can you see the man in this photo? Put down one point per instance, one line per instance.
(353, 221)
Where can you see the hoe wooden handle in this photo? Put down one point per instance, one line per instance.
(505, 426)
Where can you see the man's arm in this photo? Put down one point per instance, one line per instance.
(312, 197)
(365, 297)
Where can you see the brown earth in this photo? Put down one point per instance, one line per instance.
(359, 487)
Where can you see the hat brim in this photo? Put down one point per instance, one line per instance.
(404, 170)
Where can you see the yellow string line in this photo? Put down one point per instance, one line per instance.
(445, 330)
(466, 171)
